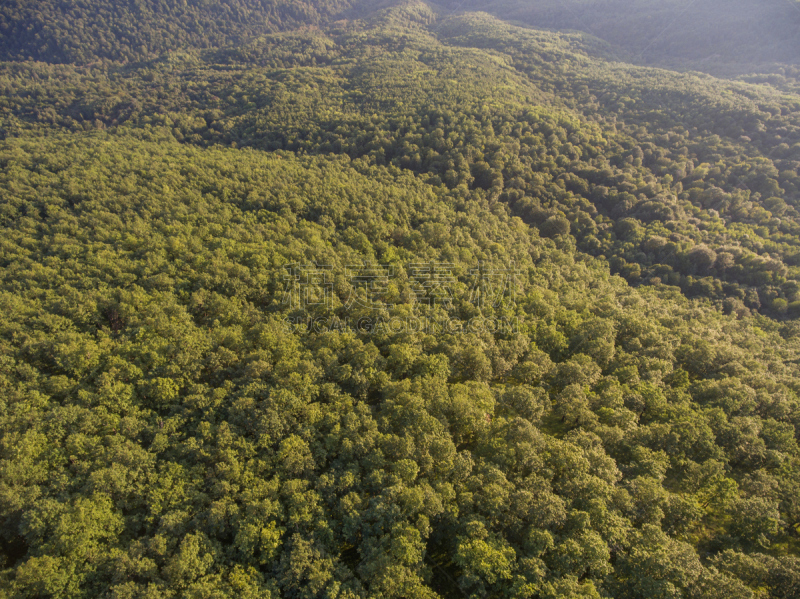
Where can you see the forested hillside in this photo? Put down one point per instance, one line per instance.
(314, 299)
(718, 36)
(130, 30)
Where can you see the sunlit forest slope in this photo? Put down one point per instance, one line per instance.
(409, 300)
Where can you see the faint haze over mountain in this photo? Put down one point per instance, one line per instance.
(710, 35)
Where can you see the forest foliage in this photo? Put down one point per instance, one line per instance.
(206, 390)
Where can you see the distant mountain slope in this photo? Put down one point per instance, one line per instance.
(67, 32)
(719, 36)
(709, 35)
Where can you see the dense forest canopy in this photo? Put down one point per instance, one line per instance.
(61, 31)
(329, 299)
